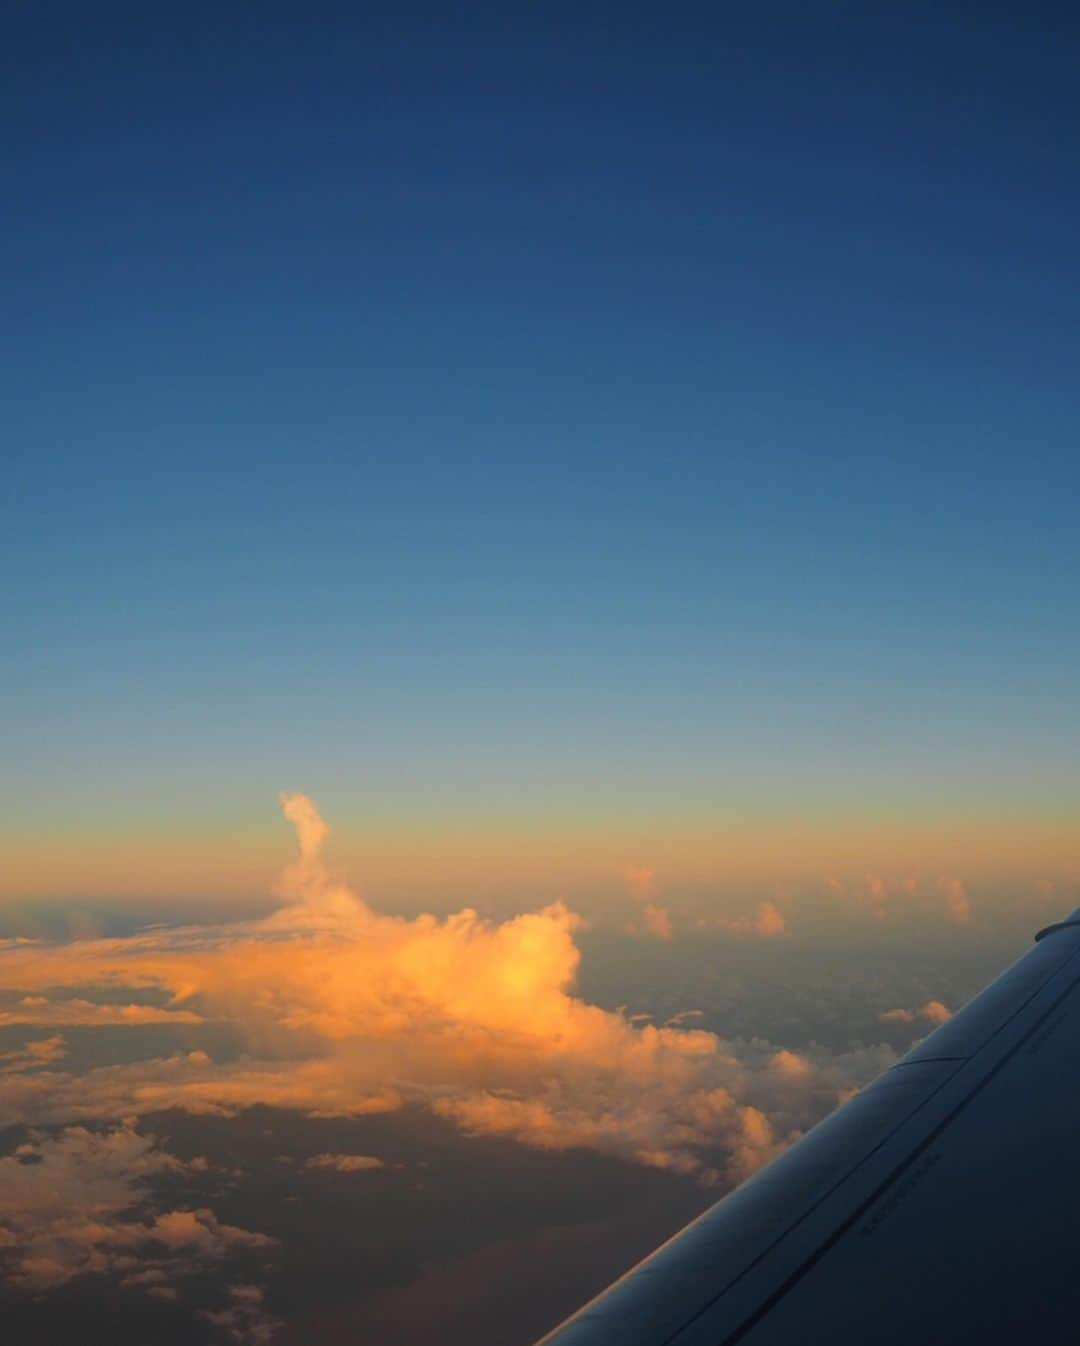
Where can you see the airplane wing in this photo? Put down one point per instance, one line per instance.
(940, 1205)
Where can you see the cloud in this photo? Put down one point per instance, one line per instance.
(194, 1082)
(82, 1202)
(933, 1012)
(37, 1010)
(957, 903)
(655, 922)
(790, 1065)
(342, 1011)
(640, 882)
(345, 1163)
(906, 897)
(30, 1055)
(767, 922)
(740, 1107)
(244, 1320)
(874, 894)
(313, 894)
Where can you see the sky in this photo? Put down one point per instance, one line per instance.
(521, 422)
(616, 466)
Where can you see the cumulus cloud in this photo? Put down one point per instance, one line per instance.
(767, 921)
(344, 1011)
(345, 1163)
(874, 895)
(30, 1055)
(655, 920)
(933, 1012)
(557, 1122)
(790, 1065)
(891, 897)
(640, 882)
(746, 1103)
(957, 903)
(244, 1320)
(82, 1202)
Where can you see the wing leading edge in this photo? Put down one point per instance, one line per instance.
(941, 1204)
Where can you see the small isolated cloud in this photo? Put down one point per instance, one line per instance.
(874, 894)
(345, 1163)
(767, 922)
(957, 903)
(790, 1065)
(640, 882)
(881, 896)
(933, 1012)
(31, 1055)
(655, 920)
(201, 1231)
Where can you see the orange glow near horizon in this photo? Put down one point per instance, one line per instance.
(441, 865)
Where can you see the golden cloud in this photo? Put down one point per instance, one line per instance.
(933, 1012)
(38, 1011)
(343, 1011)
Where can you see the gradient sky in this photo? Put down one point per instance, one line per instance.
(548, 422)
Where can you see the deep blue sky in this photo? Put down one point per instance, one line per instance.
(575, 404)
